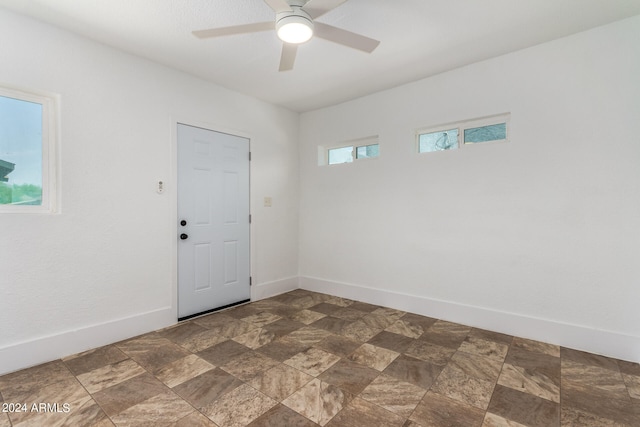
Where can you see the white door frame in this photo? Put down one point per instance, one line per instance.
(171, 190)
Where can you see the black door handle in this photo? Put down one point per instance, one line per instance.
(184, 236)
(183, 223)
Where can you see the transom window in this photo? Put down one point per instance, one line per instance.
(27, 147)
(459, 135)
(366, 148)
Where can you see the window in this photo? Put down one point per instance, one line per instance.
(447, 137)
(366, 148)
(27, 142)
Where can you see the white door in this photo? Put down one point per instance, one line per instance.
(213, 220)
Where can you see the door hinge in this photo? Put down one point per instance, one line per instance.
(249, 155)
(249, 218)
(250, 281)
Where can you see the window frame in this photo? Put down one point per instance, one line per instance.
(49, 103)
(323, 151)
(461, 126)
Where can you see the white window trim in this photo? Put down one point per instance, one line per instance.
(466, 124)
(50, 103)
(323, 150)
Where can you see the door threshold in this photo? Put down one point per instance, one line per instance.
(213, 310)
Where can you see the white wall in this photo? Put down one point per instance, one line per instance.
(103, 269)
(538, 237)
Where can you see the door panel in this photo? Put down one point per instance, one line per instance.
(213, 199)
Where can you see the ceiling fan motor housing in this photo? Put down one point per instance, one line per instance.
(294, 26)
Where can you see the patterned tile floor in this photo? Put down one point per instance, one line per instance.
(305, 359)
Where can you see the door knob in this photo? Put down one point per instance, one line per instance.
(183, 223)
(184, 236)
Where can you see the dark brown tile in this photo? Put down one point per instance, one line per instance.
(524, 408)
(182, 332)
(120, 397)
(331, 324)
(281, 416)
(93, 359)
(429, 352)
(282, 349)
(629, 368)
(318, 401)
(239, 407)
(338, 345)
(325, 308)
(283, 327)
(363, 306)
(249, 365)
(204, 389)
(349, 376)
(589, 359)
(415, 319)
(391, 341)
(439, 411)
(152, 351)
(491, 336)
(446, 334)
(360, 413)
(349, 314)
(222, 353)
(414, 371)
(195, 419)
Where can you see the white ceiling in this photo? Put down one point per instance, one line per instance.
(419, 38)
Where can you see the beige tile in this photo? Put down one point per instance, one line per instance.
(374, 357)
(633, 385)
(318, 401)
(280, 382)
(456, 384)
(312, 361)
(163, 408)
(482, 347)
(394, 395)
(405, 328)
(359, 331)
(261, 319)
(110, 375)
(239, 407)
(308, 335)
(307, 316)
(183, 370)
(194, 419)
(67, 391)
(248, 365)
(256, 338)
(202, 341)
(529, 381)
(493, 420)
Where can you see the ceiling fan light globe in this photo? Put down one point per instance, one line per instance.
(294, 29)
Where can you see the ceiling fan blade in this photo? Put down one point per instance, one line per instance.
(236, 29)
(344, 37)
(317, 8)
(278, 5)
(288, 57)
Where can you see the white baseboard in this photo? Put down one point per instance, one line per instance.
(606, 343)
(271, 289)
(45, 349)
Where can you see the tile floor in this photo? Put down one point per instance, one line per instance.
(304, 359)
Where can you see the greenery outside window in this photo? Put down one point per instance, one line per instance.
(27, 152)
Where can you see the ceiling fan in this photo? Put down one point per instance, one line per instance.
(294, 24)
